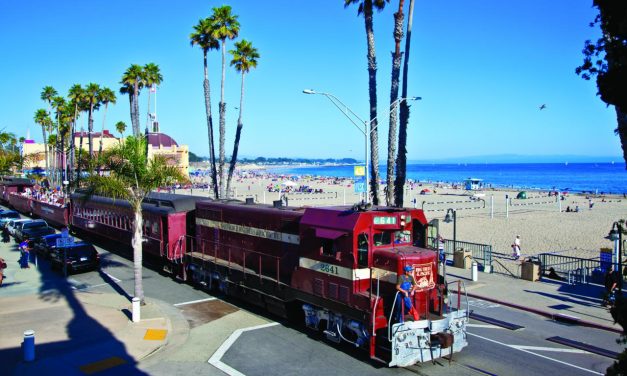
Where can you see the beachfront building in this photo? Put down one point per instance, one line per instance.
(158, 144)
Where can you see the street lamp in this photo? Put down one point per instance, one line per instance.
(616, 235)
(451, 216)
(348, 113)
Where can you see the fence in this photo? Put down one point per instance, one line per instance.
(482, 253)
(575, 269)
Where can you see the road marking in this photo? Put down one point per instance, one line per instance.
(553, 349)
(194, 301)
(486, 326)
(482, 303)
(532, 353)
(89, 287)
(215, 359)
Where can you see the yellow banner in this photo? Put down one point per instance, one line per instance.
(360, 171)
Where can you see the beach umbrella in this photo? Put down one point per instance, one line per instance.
(522, 195)
(289, 183)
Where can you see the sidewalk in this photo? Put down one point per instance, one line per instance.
(557, 300)
(77, 333)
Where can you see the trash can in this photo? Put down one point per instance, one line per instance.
(462, 259)
(530, 270)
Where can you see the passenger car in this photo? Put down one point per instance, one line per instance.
(33, 230)
(7, 215)
(13, 224)
(46, 244)
(78, 257)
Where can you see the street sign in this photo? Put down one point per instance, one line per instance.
(360, 170)
(360, 185)
(64, 242)
(65, 233)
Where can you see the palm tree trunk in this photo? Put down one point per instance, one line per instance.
(90, 129)
(43, 131)
(238, 134)
(136, 125)
(222, 109)
(132, 112)
(621, 117)
(148, 122)
(212, 155)
(72, 143)
(372, 90)
(80, 151)
(401, 159)
(137, 252)
(104, 117)
(396, 70)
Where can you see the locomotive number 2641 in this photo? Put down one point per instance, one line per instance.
(327, 268)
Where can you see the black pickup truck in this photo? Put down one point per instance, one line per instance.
(33, 230)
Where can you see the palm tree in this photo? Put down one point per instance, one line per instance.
(47, 94)
(133, 177)
(43, 118)
(120, 126)
(366, 7)
(58, 103)
(92, 97)
(401, 159)
(244, 58)
(132, 83)
(106, 96)
(75, 95)
(224, 25)
(202, 37)
(397, 55)
(152, 77)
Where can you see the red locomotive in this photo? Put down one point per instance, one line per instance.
(341, 265)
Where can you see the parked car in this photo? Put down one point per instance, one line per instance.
(14, 223)
(7, 215)
(45, 245)
(33, 230)
(78, 257)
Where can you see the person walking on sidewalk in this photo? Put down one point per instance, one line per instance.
(24, 255)
(3, 266)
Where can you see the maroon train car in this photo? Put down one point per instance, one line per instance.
(20, 202)
(340, 266)
(9, 184)
(167, 219)
(56, 214)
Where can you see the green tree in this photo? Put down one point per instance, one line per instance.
(203, 38)
(401, 158)
(120, 126)
(366, 7)
(133, 176)
(244, 58)
(397, 56)
(47, 94)
(58, 104)
(92, 97)
(224, 26)
(76, 97)
(606, 59)
(43, 119)
(152, 77)
(132, 82)
(106, 96)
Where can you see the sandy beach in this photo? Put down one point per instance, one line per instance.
(538, 220)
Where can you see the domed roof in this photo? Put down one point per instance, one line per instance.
(161, 139)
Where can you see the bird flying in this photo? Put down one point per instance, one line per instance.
(542, 107)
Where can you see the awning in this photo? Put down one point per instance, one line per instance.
(328, 234)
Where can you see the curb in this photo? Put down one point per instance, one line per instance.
(553, 316)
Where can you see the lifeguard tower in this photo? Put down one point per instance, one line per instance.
(473, 184)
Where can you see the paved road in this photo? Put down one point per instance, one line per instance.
(270, 349)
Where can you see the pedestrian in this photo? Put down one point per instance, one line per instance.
(516, 248)
(3, 266)
(441, 253)
(590, 203)
(5, 235)
(24, 255)
(613, 281)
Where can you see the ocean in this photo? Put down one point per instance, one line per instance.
(574, 177)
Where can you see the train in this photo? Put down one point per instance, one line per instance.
(337, 267)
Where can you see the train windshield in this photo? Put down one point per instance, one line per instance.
(384, 238)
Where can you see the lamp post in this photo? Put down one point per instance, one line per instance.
(351, 115)
(451, 213)
(615, 235)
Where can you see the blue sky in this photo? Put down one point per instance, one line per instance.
(482, 67)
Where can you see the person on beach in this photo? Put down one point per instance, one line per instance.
(516, 248)
(590, 203)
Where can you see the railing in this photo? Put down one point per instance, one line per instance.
(482, 253)
(575, 269)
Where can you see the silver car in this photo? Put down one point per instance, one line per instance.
(13, 225)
